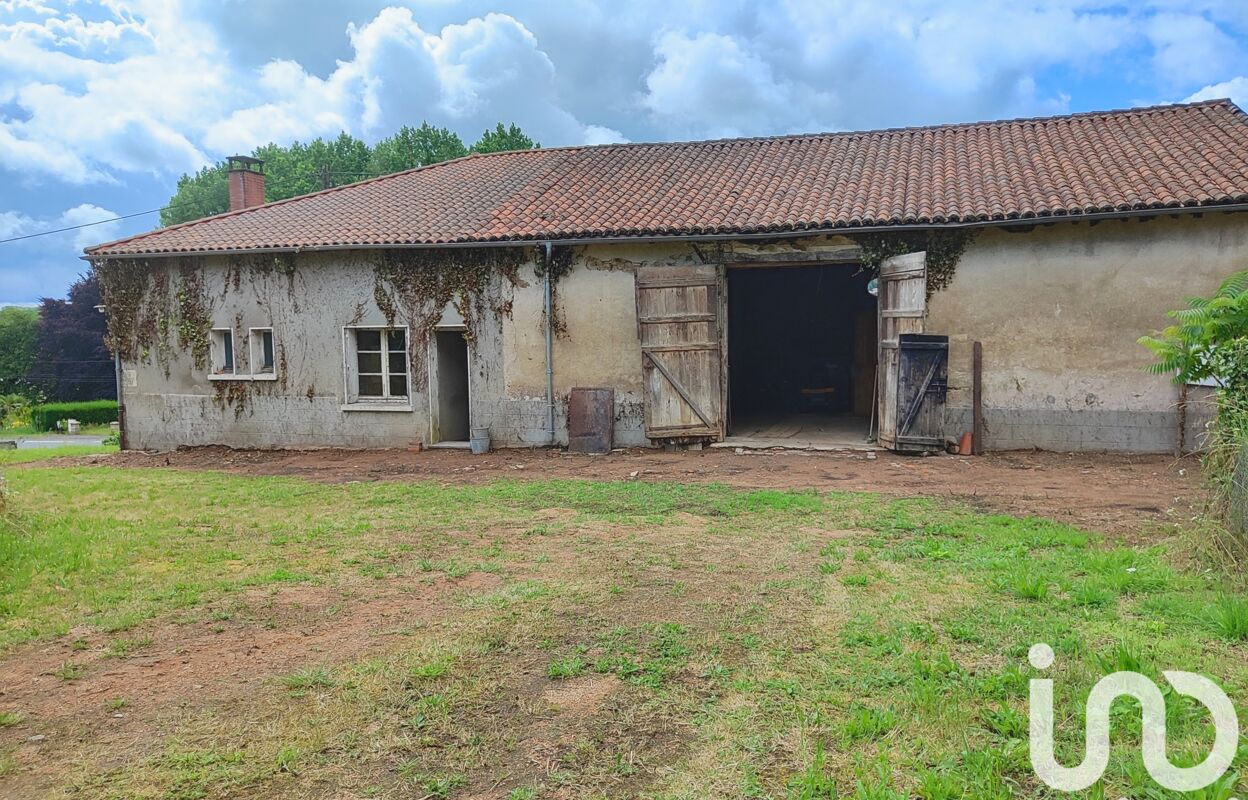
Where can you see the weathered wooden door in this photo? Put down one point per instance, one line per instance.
(922, 385)
(903, 309)
(678, 323)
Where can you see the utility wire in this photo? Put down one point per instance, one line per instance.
(151, 211)
(83, 225)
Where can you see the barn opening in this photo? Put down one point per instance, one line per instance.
(451, 409)
(801, 356)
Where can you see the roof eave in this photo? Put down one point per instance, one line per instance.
(684, 237)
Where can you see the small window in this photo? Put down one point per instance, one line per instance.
(261, 351)
(379, 359)
(221, 354)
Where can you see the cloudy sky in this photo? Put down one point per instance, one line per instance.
(104, 103)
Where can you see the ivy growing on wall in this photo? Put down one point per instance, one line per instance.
(193, 314)
(142, 313)
(944, 247)
(124, 286)
(421, 282)
(159, 303)
(559, 264)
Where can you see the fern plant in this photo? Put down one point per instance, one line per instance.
(1207, 336)
(1210, 341)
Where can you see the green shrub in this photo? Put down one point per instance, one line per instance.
(1210, 341)
(91, 412)
(14, 411)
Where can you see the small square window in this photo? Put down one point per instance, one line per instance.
(262, 360)
(221, 351)
(377, 365)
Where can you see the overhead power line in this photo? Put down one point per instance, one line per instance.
(77, 227)
(323, 174)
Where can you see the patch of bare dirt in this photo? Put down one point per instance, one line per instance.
(186, 664)
(1114, 493)
(581, 696)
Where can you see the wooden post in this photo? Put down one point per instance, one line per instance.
(977, 399)
(1180, 445)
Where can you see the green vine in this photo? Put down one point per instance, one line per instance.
(232, 394)
(142, 312)
(420, 283)
(944, 249)
(194, 316)
(124, 287)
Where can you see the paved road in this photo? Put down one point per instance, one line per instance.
(30, 443)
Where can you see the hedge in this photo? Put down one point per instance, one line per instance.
(91, 412)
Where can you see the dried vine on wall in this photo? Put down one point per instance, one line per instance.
(420, 284)
(194, 315)
(558, 265)
(142, 313)
(124, 287)
(152, 300)
(944, 249)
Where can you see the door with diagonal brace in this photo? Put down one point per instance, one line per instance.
(913, 365)
(678, 324)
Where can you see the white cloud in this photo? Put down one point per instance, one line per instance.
(1188, 48)
(99, 97)
(126, 94)
(91, 90)
(597, 134)
(1236, 89)
(468, 76)
(45, 265)
(93, 215)
(17, 223)
(709, 84)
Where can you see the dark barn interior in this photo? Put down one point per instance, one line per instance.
(801, 352)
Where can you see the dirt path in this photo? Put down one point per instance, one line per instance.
(1112, 493)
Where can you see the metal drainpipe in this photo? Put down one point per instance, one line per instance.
(550, 352)
(121, 403)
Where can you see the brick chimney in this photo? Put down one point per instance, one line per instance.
(246, 182)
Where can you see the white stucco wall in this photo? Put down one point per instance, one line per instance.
(1058, 310)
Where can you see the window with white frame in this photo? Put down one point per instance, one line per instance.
(377, 365)
(262, 359)
(221, 352)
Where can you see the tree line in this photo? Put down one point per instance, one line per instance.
(56, 351)
(297, 169)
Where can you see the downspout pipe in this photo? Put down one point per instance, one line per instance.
(550, 351)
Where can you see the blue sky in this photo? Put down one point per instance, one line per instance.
(104, 104)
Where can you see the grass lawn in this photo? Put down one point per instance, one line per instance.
(198, 634)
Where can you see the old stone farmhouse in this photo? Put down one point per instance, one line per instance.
(788, 289)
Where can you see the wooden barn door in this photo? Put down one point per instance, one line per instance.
(678, 322)
(922, 385)
(903, 307)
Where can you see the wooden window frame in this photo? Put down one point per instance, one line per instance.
(352, 400)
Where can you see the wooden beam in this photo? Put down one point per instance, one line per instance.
(674, 282)
(677, 318)
(977, 399)
(849, 254)
(679, 348)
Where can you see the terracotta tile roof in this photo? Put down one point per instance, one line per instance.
(1116, 161)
